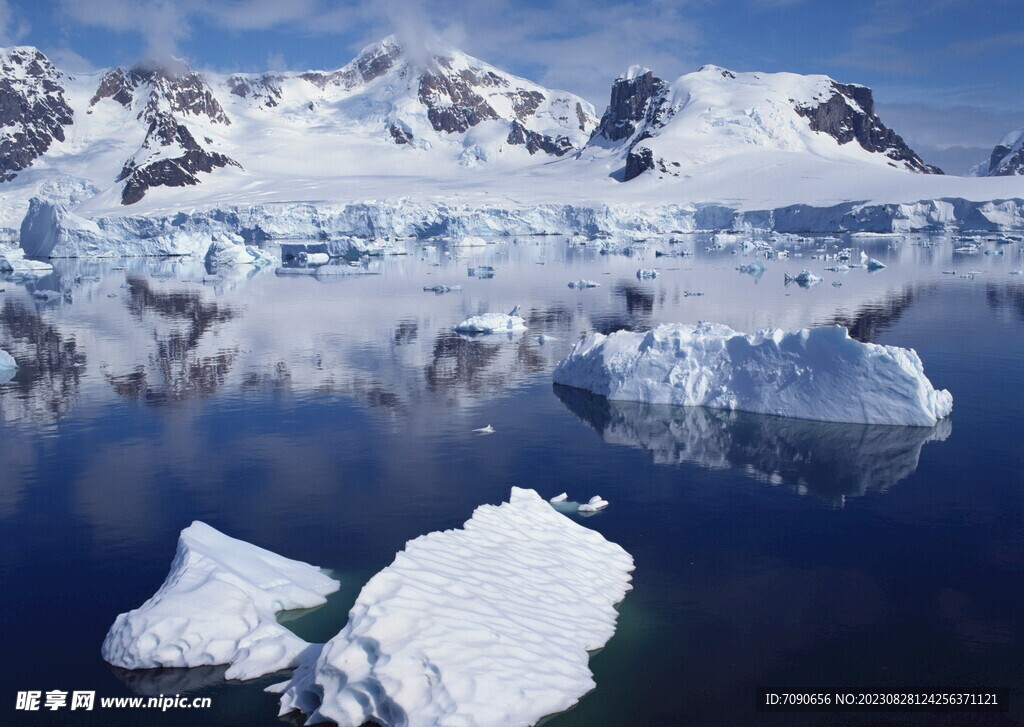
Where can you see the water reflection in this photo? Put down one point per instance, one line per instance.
(829, 460)
(1005, 298)
(873, 318)
(157, 682)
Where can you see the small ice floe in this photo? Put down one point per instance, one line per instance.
(489, 624)
(545, 338)
(755, 268)
(7, 361)
(580, 284)
(692, 293)
(313, 258)
(872, 264)
(485, 430)
(441, 289)
(481, 271)
(217, 606)
(111, 295)
(1017, 272)
(646, 274)
(804, 279)
(993, 252)
(596, 503)
(470, 241)
(839, 269)
(837, 284)
(949, 272)
(559, 498)
(493, 323)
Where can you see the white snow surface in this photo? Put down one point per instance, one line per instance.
(486, 626)
(7, 360)
(217, 606)
(818, 373)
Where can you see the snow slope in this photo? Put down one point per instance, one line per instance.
(487, 625)
(818, 373)
(218, 606)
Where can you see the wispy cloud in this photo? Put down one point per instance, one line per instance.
(999, 41)
(13, 28)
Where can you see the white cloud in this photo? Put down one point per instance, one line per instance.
(12, 28)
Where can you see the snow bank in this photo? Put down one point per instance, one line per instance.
(818, 373)
(7, 361)
(493, 323)
(485, 625)
(217, 606)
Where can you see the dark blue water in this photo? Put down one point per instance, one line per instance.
(331, 423)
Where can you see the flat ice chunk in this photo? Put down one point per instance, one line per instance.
(7, 360)
(818, 373)
(485, 625)
(470, 241)
(560, 498)
(217, 606)
(13, 260)
(493, 323)
(581, 284)
(596, 503)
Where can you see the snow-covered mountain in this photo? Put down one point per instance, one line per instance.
(713, 113)
(128, 130)
(1007, 158)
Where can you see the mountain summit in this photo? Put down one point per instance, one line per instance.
(668, 128)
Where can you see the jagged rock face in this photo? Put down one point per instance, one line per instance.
(179, 91)
(33, 109)
(849, 115)
(158, 168)
(452, 105)
(536, 142)
(265, 90)
(1007, 158)
(633, 100)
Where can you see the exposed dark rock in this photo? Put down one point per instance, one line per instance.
(1006, 161)
(177, 171)
(452, 106)
(581, 116)
(633, 100)
(525, 103)
(535, 141)
(33, 109)
(265, 89)
(378, 61)
(400, 134)
(114, 85)
(849, 115)
(638, 161)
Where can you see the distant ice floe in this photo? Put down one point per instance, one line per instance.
(581, 284)
(818, 373)
(646, 274)
(217, 606)
(804, 278)
(490, 624)
(493, 323)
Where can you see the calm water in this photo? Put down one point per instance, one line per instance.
(330, 422)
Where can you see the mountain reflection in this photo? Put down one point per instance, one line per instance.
(826, 459)
(50, 366)
(176, 370)
(1005, 297)
(871, 319)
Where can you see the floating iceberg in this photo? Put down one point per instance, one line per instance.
(560, 498)
(596, 503)
(469, 241)
(818, 373)
(580, 284)
(873, 264)
(313, 258)
(493, 323)
(217, 606)
(485, 625)
(13, 261)
(7, 361)
(804, 279)
(646, 274)
(231, 250)
(441, 289)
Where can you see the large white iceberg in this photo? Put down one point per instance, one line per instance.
(493, 323)
(218, 606)
(486, 625)
(818, 373)
(231, 250)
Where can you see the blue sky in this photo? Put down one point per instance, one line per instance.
(946, 73)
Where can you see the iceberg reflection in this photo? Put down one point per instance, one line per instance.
(826, 459)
